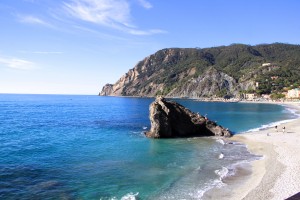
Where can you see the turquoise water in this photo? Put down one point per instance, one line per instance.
(90, 147)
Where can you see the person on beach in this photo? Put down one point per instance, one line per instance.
(283, 129)
(276, 128)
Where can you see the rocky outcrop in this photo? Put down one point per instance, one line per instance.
(170, 119)
(106, 90)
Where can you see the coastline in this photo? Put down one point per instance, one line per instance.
(275, 175)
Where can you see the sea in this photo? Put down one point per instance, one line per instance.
(92, 147)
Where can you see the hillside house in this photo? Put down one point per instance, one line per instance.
(294, 93)
(266, 96)
(250, 96)
(270, 66)
(256, 84)
(266, 64)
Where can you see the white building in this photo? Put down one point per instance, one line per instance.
(266, 64)
(294, 93)
(250, 96)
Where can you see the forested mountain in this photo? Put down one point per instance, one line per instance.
(212, 72)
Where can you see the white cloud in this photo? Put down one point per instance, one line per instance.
(15, 63)
(145, 4)
(33, 20)
(105, 12)
(111, 13)
(115, 14)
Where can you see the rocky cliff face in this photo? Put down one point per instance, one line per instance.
(208, 84)
(170, 119)
(211, 72)
(107, 90)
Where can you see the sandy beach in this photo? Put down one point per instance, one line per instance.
(276, 175)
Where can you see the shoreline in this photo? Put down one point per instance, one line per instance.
(275, 175)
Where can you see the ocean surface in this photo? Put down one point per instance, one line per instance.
(91, 147)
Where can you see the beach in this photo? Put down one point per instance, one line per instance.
(276, 175)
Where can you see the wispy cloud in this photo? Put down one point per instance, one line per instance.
(98, 34)
(15, 63)
(42, 52)
(115, 14)
(148, 32)
(29, 19)
(48, 52)
(104, 12)
(145, 4)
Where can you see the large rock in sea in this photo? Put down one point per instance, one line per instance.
(170, 119)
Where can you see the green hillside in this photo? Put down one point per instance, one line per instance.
(235, 68)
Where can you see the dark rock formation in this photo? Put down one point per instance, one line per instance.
(170, 119)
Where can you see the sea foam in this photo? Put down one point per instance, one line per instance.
(220, 141)
(130, 196)
(266, 126)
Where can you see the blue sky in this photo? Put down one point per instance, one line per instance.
(76, 46)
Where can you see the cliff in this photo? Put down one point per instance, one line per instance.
(170, 119)
(210, 72)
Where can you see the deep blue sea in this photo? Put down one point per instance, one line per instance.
(91, 147)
